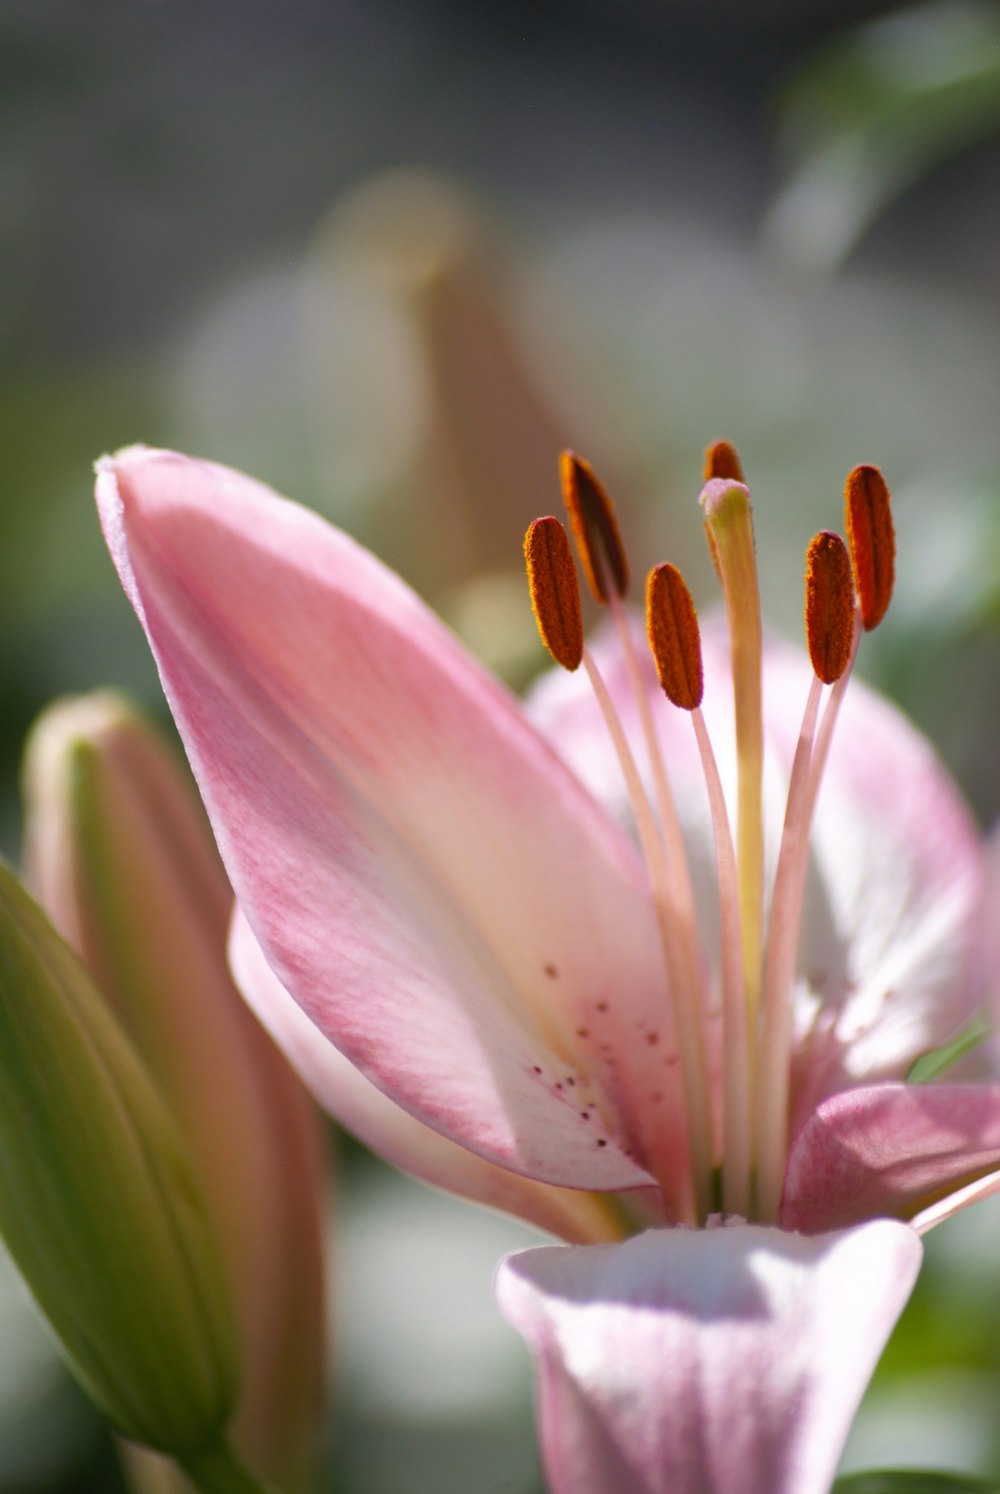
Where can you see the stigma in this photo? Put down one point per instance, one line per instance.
(736, 1110)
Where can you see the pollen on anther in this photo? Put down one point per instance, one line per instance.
(872, 542)
(723, 460)
(674, 638)
(829, 606)
(594, 525)
(555, 591)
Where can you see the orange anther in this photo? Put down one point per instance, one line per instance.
(595, 527)
(872, 541)
(674, 636)
(829, 606)
(555, 591)
(723, 460)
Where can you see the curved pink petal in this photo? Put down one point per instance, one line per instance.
(983, 1061)
(404, 1141)
(896, 1150)
(891, 948)
(682, 1361)
(426, 880)
(890, 956)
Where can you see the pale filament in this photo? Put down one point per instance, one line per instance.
(774, 1049)
(685, 1010)
(737, 1057)
(678, 893)
(774, 1077)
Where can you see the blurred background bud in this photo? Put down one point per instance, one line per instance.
(439, 407)
(118, 852)
(100, 1205)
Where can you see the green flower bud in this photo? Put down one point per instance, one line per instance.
(99, 1205)
(118, 851)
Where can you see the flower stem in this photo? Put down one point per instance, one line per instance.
(217, 1470)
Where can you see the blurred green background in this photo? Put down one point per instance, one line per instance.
(390, 256)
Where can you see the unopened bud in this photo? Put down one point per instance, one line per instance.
(119, 852)
(99, 1202)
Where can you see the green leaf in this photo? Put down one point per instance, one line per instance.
(909, 1481)
(931, 1066)
(877, 110)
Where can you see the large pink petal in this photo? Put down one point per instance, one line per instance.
(684, 1362)
(896, 1150)
(426, 880)
(889, 959)
(343, 1090)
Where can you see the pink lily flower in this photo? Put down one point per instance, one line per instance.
(447, 927)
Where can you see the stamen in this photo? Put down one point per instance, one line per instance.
(872, 541)
(736, 1153)
(672, 626)
(602, 555)
(773, 1076)
(675, 641)
(833, 631)
(556, 601)
(808, 766)
(683, 1013)
(824, 735)
(555, 591)
(829, 606)
(723, 460)
(675, 901)
(595, 528)
(729, 525)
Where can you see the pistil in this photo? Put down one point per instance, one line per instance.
(729, 525)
